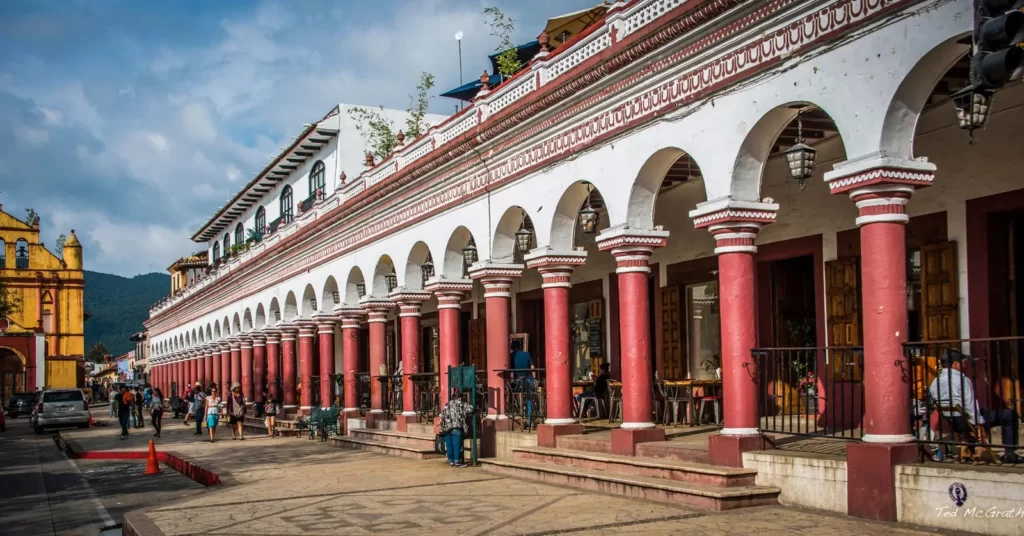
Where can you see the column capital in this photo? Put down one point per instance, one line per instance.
(449, 292)
(325, 322)
(733, 223)
(546, 257)
(881, 187)
(632, 248)
(208, 350)
(259, 338)
(376, 308)
(350, 316)
(234, 343)
(496, 278)
(306, 327)
(272, 335)
(245, 340)
(409, 301)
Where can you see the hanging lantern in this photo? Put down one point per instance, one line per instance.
(392, 280)
(427, 268)
(361, 289)
(277, 316)
(588, 216)
(972, 107)
(469, 255)
(801, 156)
(524, 238)
(312, 303)
(337, 297)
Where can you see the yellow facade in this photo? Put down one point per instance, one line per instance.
(50, 290)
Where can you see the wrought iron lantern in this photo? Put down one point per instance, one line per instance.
(312, 303)
(337, 296)
(972, 107)
(589, 217)
(392, 280)
(469, 255)
(524, 238)
(361, 289)
(801, 156)
(277, 316)
(427, 268)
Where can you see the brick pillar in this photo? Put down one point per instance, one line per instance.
(556, 271)
(307, 334)
(881, 189)
(236, 362)
(734, 226)
(497, 280)
(288, 335)
(208, 365)
(221, 366)
(409, 303)
(273, 361)
(350, 318)
(632, 249)
(449, 305)
(325, 343)
(246, 367)
(377, 315)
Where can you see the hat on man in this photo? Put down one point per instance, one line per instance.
(198, 384)
(951, 356)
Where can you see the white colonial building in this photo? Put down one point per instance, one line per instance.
(663, 121)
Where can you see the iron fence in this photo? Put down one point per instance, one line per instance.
(524, 400)
(961, 389)
(810, 391)
(363, 390)
(426, 394)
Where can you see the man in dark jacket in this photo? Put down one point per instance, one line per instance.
(124, 410)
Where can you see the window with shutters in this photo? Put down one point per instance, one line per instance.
(674, 367)
(842, 288)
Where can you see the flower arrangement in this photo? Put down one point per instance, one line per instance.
(808, 384)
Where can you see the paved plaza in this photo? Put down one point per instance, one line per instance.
(295, 486)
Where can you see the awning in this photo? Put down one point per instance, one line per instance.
(563, 27)
(466, 92)
(526, 52)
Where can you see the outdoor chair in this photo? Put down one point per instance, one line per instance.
(677, 399)
(590, 399)
(974, 438)
(614, 402)
(715, 401)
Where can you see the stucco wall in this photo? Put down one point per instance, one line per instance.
(808, 480)
(994, 505)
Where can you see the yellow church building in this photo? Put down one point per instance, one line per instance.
(42, 338)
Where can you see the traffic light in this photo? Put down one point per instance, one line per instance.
(998, 40)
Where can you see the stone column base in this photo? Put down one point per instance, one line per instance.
(727, 450)
(547, 434)
(403, 422)
(489, 429)
(345, 416)
(373, 419)
(625, 440)
(305, 410)
(871, 478)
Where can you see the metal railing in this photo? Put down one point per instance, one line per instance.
(810, 391)
(307, 203)
(363, 390)
(3, 261)
(274, 224)
(524, 400)
(426, 394)
(21, 262)
(960, 390)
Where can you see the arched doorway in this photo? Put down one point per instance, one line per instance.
(12, 373)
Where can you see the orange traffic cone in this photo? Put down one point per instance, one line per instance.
(152, 465)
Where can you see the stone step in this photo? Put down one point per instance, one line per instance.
(637, 487)
(399, 438)
(350, 442)
(695, 473)
(260, 429)
(584, 442)
(279, 423)
(667, 450)
(425, 429)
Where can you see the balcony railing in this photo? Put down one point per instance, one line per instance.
(948, 424)
(274, 224)
(310, 201)
(810, 391)
(21, 262)
(3, 262)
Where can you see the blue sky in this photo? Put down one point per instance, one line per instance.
(130, 122)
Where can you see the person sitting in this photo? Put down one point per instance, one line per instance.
(953, 391)
(600, 389)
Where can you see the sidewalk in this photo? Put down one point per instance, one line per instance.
(296, 486)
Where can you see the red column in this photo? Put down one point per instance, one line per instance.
(288, 366)
(179, 377)
(409, 303)
(207, 367)
(218, 364)
(556, 271)
(273, 362)
(193, 368)
(246, 368)
(325, 340)
(307, 332)
(236, 363)
(350, 318)
(377, 316)
(881, 189)
(632, 250)
(497, 281)
(449, 305)
(259, 365)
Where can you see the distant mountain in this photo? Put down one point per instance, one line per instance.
(117, 306)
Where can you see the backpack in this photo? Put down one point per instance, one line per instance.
(238, 410)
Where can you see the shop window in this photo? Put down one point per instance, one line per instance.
(703, 330)
(587, 339)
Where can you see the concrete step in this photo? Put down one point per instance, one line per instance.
(695, 473)
(585, 442)
(279, 423)
(424, 429)
(399, 438)
(261, 429)
(350, 442)
(668, 450)
(637, 487)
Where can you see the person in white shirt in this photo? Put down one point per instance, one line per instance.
(951, 387)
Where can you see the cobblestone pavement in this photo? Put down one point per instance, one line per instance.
(295, 486)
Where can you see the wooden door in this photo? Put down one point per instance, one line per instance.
(672, 336)
(842, 289)
(478, 344)
(940, 300)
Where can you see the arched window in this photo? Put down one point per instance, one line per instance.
(216, 252)
(227, 244)
(239, 233)
(261, 220)
(317, 178)
(3, 254)
(286, 204)
(21, 254)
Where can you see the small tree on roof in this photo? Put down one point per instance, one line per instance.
(502, 27)
(415, 126)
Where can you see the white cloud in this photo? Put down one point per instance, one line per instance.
(51, 116)
(233, 173)
(31, 135)
(196, 121)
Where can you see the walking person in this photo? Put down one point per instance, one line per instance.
(190, 407)
(271, 411)
(236, 412)
(139, 402)
(112, 396)
(453, 424)
(197, 402)
(211, 405)
(156, 410)
(124, 408)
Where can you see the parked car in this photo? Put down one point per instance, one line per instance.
(59, 408)
(20, 404)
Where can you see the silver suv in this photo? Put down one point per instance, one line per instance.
(59, 408)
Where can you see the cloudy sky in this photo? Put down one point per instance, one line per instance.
(130, 122)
